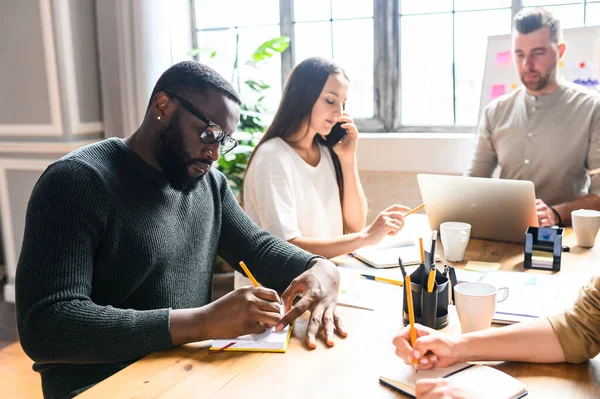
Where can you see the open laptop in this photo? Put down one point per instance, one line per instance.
(496, 209)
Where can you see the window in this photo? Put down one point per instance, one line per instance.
(414, 65)
(442, 52)
(217, 24)
(334, 30)
(572, 13)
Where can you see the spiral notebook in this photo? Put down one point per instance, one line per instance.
(478, 381)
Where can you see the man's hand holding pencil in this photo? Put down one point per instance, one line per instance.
(318, 287)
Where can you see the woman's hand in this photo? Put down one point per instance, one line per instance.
(388, 222)
(346, 148)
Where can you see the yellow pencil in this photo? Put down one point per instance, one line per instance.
(417, 209)
(431, 280)
(248, 274)
(421, 250)
(411, 315)
(383, 279)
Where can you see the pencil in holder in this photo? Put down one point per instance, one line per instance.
(431, 308)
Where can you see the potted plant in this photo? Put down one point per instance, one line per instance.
(252, 125)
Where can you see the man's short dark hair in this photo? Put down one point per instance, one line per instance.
(188, 78)
(531, 19)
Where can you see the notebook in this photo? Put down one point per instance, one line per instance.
(532, 295)
(269, 341)
(388, 257)
(478, 381)
(360, 293)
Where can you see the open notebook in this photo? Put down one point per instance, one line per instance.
(532, 295)
(478, 381)
(269, 341)
(388, 257)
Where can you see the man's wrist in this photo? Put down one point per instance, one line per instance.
(188, 325)
(557, 215)
(322, 265)
(311, 263)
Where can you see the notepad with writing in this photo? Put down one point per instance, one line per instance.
(478, 381)
(269, 341)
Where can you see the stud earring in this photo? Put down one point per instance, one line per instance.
(159, 118)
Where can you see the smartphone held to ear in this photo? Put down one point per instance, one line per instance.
(337, 133)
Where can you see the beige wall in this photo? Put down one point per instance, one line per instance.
(383, 189)
(50, 74)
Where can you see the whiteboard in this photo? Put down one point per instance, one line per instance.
(580, 63)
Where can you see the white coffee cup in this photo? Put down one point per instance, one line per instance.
(455, 237)
(585, 223)
(476, 304)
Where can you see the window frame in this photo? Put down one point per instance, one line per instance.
(386, 84)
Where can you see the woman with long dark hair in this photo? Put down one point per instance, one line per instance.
(302, 189)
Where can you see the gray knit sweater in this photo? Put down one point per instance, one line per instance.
(109, 248)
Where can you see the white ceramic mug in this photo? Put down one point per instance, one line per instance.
(455, 237)
(585, 223)
(476, 304)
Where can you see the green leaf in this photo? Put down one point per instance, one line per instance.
(202, 50)
(257, 85)
(268, 49)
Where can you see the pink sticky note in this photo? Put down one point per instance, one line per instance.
(498, 90)
(503, 57)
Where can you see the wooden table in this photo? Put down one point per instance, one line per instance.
(351, 368)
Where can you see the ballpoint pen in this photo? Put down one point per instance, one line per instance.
(433, 240)
(402, 267)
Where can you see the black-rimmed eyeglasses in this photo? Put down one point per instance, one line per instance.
(212, 133)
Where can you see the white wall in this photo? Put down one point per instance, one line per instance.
(49, 58)
(389, 164)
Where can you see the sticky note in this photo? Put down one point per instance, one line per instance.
(503, 57)
(497, 91)
(477, 266)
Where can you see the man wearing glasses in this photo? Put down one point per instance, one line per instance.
(121, 237)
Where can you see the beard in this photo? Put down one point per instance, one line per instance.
(542, 80)
(173, 158)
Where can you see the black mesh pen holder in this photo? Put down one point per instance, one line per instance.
(431, 308)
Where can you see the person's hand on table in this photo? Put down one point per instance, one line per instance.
(545, 214)
(319, 286)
